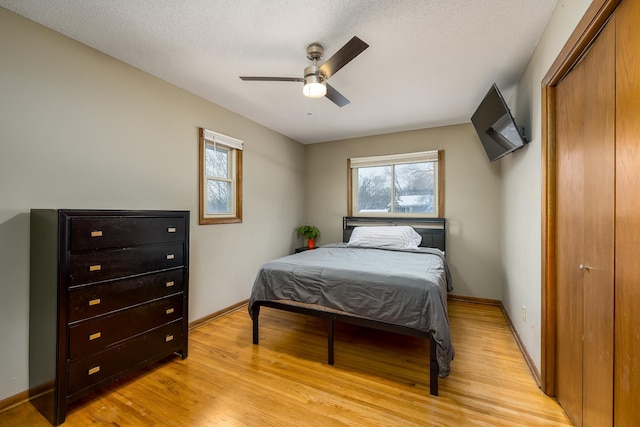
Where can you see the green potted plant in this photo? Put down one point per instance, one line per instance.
(311, 233)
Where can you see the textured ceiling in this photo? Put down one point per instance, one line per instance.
(429, 63)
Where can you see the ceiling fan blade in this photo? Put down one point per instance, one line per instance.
(353, 48)
(336, 97)
(271, 79)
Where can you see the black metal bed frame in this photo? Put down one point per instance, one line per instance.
(432, 230)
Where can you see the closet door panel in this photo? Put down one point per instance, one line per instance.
(570, 241)
(627, 299)
(599, 211)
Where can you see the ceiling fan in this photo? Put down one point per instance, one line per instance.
(315, 77)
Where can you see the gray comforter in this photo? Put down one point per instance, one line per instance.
(407, 288)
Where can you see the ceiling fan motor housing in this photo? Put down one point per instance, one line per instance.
(314, 70)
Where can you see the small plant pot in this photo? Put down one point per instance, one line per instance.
(311, 243)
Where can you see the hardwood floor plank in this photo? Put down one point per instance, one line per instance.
(379, 379)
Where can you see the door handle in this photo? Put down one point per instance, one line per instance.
(583, 267)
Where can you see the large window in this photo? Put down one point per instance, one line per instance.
(220, 178)
(397, 185)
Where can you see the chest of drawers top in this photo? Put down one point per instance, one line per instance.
(107, 245)
(94, 230)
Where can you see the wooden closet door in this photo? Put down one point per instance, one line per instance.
(599, 207)
(570, 242)
(627, 299)
(585, 141)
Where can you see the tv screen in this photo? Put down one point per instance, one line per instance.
(496, 127)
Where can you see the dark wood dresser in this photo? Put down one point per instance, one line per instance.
(109, 296)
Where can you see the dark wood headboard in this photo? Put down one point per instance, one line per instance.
(432, 230)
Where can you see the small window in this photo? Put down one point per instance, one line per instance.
(220, 178)
(397, 185)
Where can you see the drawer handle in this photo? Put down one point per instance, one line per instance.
(94, 370)
(95, 336)
(96, 267)
(171, 230)
(170, 284)
(171, 256)
(168, 338)
(97, 233)
(94, 301)
(169, 310)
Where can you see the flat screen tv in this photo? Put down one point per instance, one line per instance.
(496, 127)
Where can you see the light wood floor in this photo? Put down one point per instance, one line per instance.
(379, 379)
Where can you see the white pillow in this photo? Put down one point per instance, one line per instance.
(388, 237)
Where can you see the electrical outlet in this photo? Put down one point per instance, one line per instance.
(524, 313)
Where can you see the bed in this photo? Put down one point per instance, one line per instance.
(396, 283)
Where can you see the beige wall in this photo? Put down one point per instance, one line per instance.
(79, 129)
(522, 184)
(472, 197)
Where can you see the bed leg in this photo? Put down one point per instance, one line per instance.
(255, 314)
(433, 367)
(330, 341)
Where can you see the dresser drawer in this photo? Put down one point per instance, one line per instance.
(94, 300)
(96, 334)
(87, 267)
(125, 357)
(115, 232)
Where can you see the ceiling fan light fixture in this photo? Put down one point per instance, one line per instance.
(314, 89)
(314, 85)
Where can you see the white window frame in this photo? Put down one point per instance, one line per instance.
(434, 156)
(235, 147)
